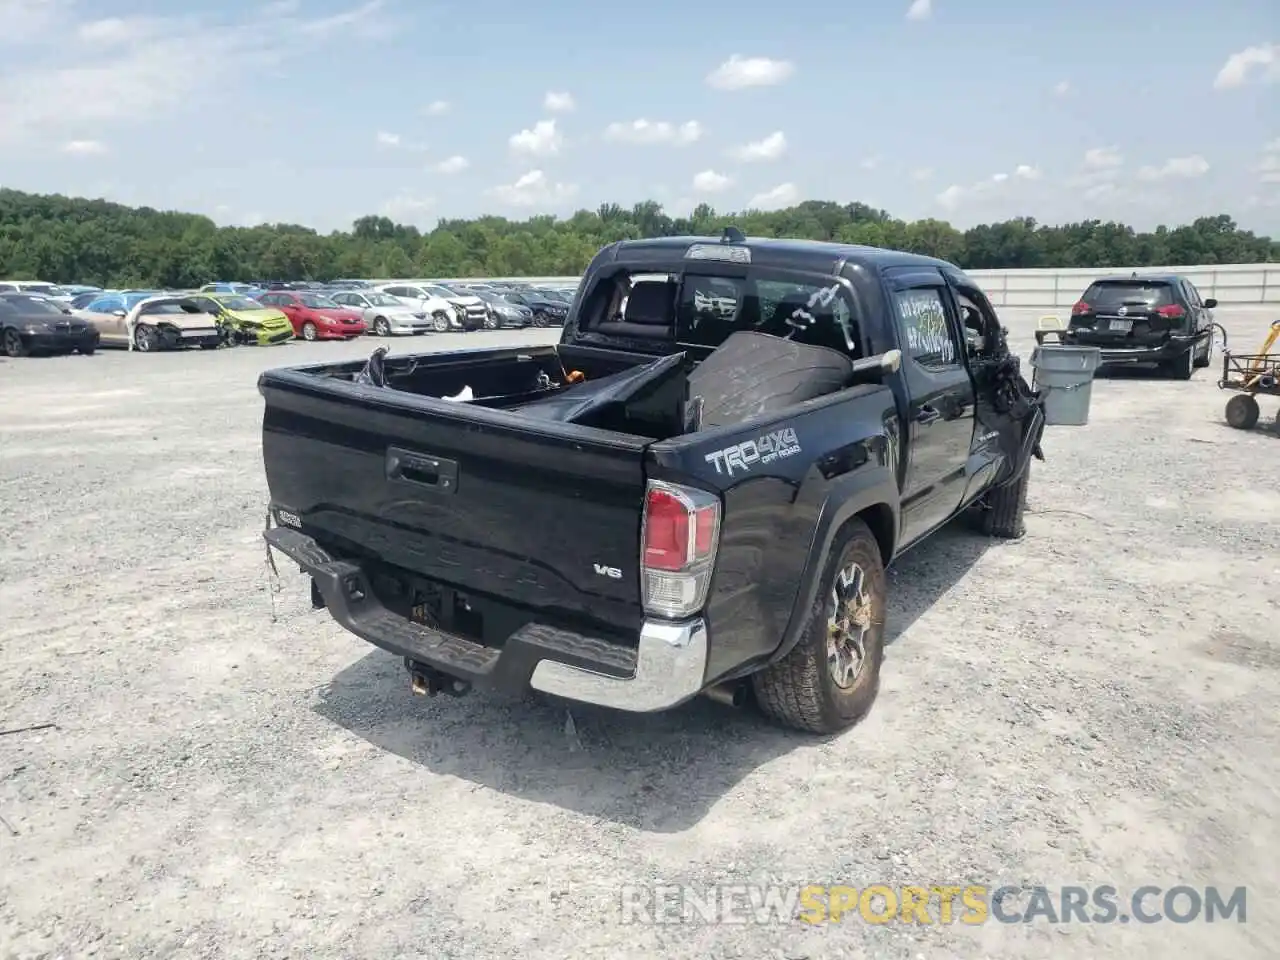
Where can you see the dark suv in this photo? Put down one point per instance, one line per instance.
(1156, 318)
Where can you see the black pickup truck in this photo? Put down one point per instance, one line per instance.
(696, 491)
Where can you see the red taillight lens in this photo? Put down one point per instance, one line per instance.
(666, 531)
(1079, 308)
(1171, 312)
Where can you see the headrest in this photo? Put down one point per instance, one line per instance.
(651, 302)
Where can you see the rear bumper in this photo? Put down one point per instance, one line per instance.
(666, 668)
(1113, 352)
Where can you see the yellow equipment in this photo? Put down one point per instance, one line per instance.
(1252, 375)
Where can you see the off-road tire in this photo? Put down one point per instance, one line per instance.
(12, 344)
(440, 322)
(381, 328)
(1002, 512)
(798, 691)
(1242, 411)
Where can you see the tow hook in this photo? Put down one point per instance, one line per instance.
(426, 681)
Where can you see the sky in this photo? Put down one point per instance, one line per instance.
(321, 111)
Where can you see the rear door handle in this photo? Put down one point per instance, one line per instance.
(422, 470)
(927, 415)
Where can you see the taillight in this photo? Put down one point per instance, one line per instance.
(678, 548)
(1170, 312)
(1080, 308)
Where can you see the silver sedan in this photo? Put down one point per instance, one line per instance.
(385, 315)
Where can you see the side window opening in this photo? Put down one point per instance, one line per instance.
(926, 332)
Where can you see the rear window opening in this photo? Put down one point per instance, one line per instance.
(700, 309)
(1130, 292)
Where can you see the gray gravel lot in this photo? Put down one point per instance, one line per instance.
(1093, 704)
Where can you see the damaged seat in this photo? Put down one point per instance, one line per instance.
(650, 313)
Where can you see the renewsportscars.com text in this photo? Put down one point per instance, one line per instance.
(933, 904)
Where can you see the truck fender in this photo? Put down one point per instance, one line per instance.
(870, 493)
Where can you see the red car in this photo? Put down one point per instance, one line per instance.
(316, 317)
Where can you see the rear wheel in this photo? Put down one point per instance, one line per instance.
(309, 331)
(13, 345)
(829, 680)
(1206, 356)
(1181, 367)
(1242, 411)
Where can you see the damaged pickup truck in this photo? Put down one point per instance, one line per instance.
(696, 491)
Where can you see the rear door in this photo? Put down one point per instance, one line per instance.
(940, 398)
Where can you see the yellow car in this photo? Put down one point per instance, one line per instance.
(249, 320)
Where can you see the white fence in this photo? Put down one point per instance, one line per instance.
(1235, 283)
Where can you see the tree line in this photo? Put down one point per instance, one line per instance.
(74, 240)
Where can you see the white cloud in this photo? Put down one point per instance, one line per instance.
(558, 102)
(82, 148)
(436, 107)
(770, 148)
(1269, 168)
(531, 190)
(408, 208)
(540, 140)
(783, 195)
(154, 67)
(922, 174)
(708, 181)
(1260, 63)
(999, 177)
(388, 139)
(362, 21)
(1179, 168)
(951, 197)
(25, 20)
(870, 163)
(1025, 171)
(1103, 158)
(920, 10)
(1061, 88)
(281, 8)
(454, 164)
(654, 131)
(739, 73)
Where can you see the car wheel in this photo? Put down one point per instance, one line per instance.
(309, 331)
(1242, 411)
(13, 345)
(440, 322)
(490, 321)
(86, 351)
(1182, 367)
(1001, 512)
(540, 319)
(381, 328)
(1206, 357)
(829, 680)
(210, 346)
(145, 340)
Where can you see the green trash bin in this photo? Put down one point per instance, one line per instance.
(1064, 375)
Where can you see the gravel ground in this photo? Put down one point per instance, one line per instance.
(232, 775)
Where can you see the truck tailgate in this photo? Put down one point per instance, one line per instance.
(545, 515)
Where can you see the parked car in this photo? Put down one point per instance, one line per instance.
(1153, 318)
(445, 314)
(33, 324)
(547, 311)
(384, 314)
(726, 492)
(249, 321)
(148, 323)
(239, 289)
(82, 300)
(37, 288)
(502, 312)
(315, 316)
